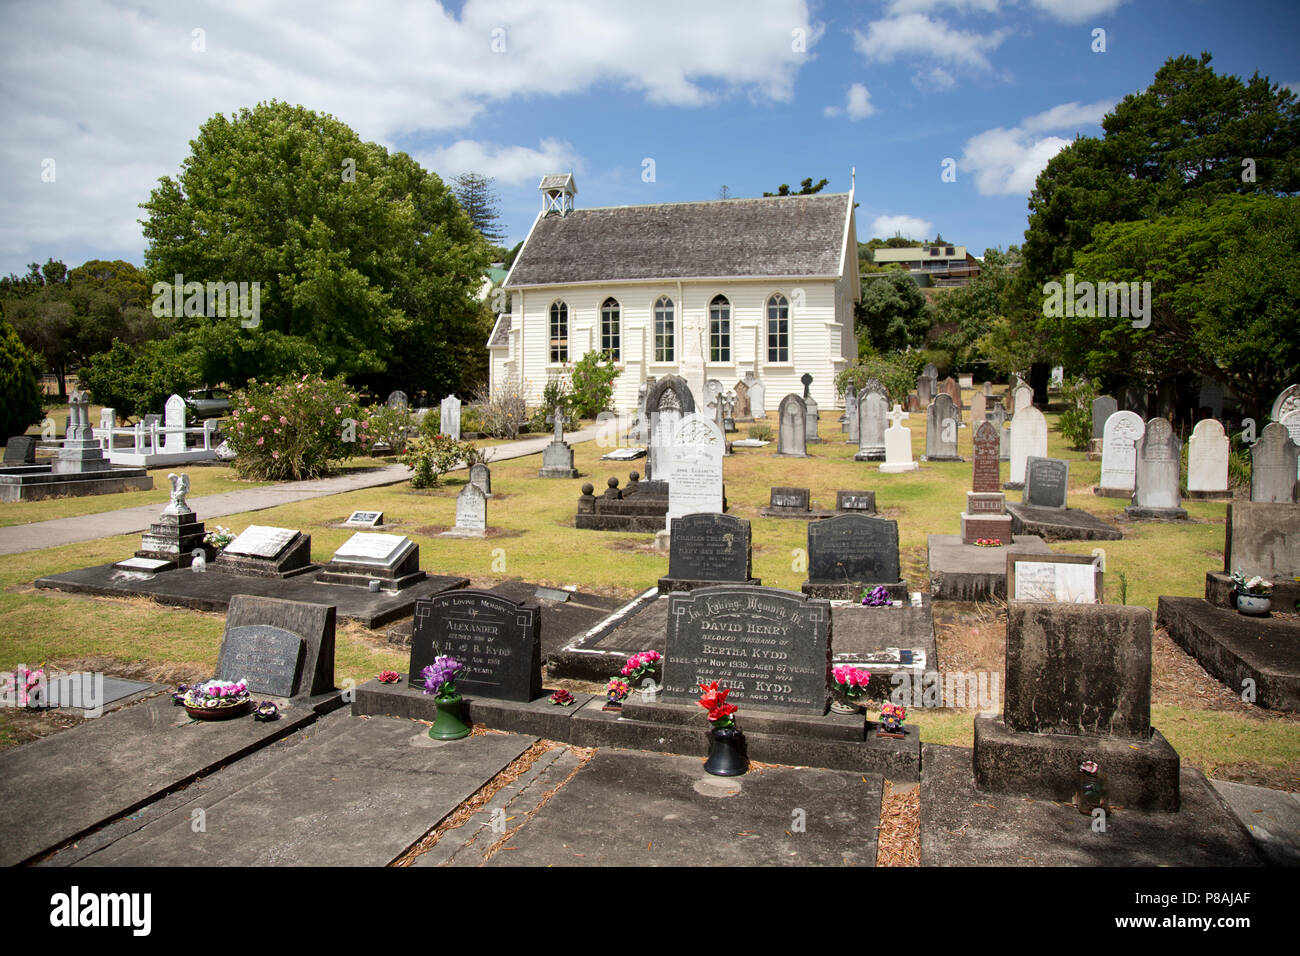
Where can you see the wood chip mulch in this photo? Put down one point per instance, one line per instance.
(899, 835)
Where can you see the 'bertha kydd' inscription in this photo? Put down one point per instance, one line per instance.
(771, 647)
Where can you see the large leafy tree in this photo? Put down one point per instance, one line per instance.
(968, 313)
(893, 312)
(1224, 294)
(364, 260)
(20, 392)
(1192, 134)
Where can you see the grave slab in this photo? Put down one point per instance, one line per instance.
(599, 652)
(212, 591)
(1235, 648)
(743, 821)
(132, 755)
(961, 826)
(879, 639)
(1272, 817)
(360, 798)
(1060, 524)
(967, 572)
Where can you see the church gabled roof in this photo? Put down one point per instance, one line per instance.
(784, 236)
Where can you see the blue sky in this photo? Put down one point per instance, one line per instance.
(747, 95)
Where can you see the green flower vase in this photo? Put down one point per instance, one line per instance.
(450, 724)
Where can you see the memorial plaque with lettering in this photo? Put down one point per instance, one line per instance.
(1047, 482)
(268, 657)
(796, 498)
(709, 547)
(863, 501)
(365, 519)
(853, 549)
(772, 648)
(498, 642)
(261, 541)
(987, 471)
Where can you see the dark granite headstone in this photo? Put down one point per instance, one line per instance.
(853, 549)
(772, 648)
(709, 547)
(20, 450)
(856, 501)
(250, 615)
(794, 499)
(1047, 482)
(498, 641)
(1103, 406)
(268, 657)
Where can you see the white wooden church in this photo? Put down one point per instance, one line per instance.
(705, 290)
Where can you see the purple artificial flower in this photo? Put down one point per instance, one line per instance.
(440, 673)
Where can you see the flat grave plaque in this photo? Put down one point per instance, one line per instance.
(261, 541)
(1062, 578)
(379, 550)
(365, 519)
(864, 501)
(790, 498)
(268, 657)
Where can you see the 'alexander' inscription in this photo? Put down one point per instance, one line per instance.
(497, 641)
(771, 647)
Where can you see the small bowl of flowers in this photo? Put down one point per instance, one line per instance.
(988, 542)
(218, 700)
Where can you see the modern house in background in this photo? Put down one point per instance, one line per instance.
(937, 265)
(705, 290)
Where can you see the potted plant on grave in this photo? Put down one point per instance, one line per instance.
(727, 756)
(848, 684)
(219, 538)
(616, 692)
(891, 720)
(440, 682)
(642, 668)
(1254, 595)
(217, 699)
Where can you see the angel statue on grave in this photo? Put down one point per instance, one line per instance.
(180, 488)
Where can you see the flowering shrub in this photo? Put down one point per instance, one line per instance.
(23, 687)
(391, 426)
(715, 702)
(430, 458)
(851, 681)
(440, 676)
(504, 411)
(593, 385)
(294, 430)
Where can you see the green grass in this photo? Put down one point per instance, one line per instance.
(532, 537)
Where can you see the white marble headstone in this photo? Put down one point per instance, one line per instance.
(1119, 451)
(1207, 458)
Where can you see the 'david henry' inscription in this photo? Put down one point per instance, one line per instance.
(771, 647)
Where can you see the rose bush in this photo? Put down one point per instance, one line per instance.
(295, 429)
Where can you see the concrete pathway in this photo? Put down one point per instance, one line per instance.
(61, 531)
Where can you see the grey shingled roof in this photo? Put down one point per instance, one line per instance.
(501, 334)
(780, 236)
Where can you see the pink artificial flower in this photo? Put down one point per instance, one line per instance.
(260, 440)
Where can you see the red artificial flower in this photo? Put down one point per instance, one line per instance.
(712, 696)
(721, 711)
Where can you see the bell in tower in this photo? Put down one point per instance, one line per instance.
(558, 191)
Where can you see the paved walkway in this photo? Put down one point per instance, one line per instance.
(61, 531)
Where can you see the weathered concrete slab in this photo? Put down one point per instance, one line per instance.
(635, 809)
(212, 590)
(1236, 648)
(638, 625)
(967, 572)
(875, 638)
(960, 826)
(361, 797)
(1060, 524)
(1271, 816)
(56, 788)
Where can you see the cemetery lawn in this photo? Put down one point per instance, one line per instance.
(531, 537)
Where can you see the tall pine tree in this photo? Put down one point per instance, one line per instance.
(479, 201)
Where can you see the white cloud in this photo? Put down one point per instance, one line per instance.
(909, 227)
(1076, 11)
(920, 6)
(937, 79)
(113, 90)
(511, 165)
(916, 35)
(1006, 162)
(859, 102)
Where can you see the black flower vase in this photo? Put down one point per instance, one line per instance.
(727, 757)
